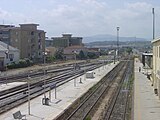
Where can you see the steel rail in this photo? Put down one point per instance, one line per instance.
(114, 101)
(73, 114)
(5, 108)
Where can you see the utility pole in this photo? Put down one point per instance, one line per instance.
(118, 43)
(44, 57)
(153, 23)
(154, 83)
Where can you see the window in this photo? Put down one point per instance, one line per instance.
(32, 40)
(39, 46)
(6, 55)
(11, 56)
(39, 35)
(39, 40)
(32, 33)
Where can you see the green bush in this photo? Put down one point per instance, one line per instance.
(51, 59)
(28, 62)
(81, 55)
(11, 66)
(22, 63)
(92, 55)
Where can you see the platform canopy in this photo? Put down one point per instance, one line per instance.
(147, 54)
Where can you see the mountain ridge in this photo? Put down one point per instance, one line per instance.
(109, 37)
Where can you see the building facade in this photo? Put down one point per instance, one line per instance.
(8, 54)
(5, 33)
(71, 51)
(27, 38)
(66, 40)
(156, 66)
(49, 42)
(50, 51)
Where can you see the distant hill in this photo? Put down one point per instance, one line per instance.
(108, 37)
(114, 43)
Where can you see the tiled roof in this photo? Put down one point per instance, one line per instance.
(5, 47)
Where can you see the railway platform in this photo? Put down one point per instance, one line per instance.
(65, 96)
(146, 103)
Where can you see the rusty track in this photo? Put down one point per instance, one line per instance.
(14, 99)
(118, 103)
(87, 105)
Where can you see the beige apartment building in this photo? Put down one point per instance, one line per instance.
(156, 66)
(66, 40)
(27, 38)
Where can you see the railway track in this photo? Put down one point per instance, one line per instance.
(118, 103)
(59, 72)
(87, 105)
(40, 72)
(18, 96)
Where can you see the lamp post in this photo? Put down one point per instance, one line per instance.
(75, 66)
(118, 43)
(28, 82)
(7, 55)
(44, 57)
(75, 58)
(45, 71)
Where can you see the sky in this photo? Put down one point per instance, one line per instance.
(84, 17)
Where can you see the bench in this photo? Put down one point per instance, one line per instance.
(18, 115)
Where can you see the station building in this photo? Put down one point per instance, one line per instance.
(156, 66)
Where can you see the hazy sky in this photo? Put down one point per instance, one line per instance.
(84, 17)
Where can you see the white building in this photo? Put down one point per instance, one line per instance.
(8, 54)
(156, 66)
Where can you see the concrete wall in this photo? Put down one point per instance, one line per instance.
(13, 56)
(156, 65)
(66, 40)
(75, 41)
(60, 42)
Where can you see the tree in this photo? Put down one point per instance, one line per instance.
(82, 55)
(51, 59)
(129, 50)
(92, 55)
(59, 55)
